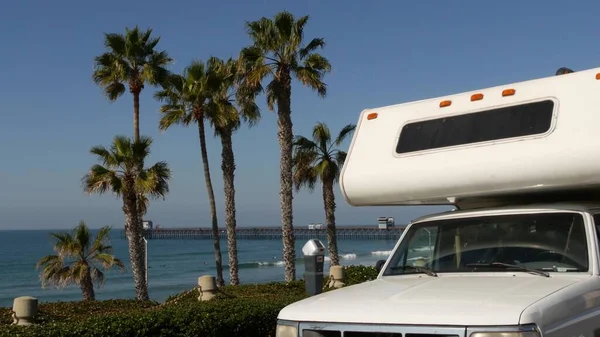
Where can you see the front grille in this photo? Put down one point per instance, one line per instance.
(322, 333)
(358, 330)
(371, 334)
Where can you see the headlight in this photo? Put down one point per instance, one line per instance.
(286, 331)
(506, 334)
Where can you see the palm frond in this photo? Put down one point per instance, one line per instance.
(174, 115)
(154, 181)
(56, 274)
(303, 144)
(108, 261)
(100, 180)
(318, 63)
(104, 156)
(340, 159)
(47, 260)
(284, 26)
(140, 149)
(97, 276)
(263, 34)
(153, 70)
(143, 203)
(255, 65)
(99, 245)
(65, 245)
(115, 43)
(273, 94)
(345, 132)
(79, 269)
(322, 136)
(311, 78)
(121, 148)
(82, 237)
(311, 47)
(304, 173)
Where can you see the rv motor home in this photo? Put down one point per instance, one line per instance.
(518, 256)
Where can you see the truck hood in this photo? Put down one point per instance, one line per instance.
(489, 299)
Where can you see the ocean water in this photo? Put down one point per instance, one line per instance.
(174, 265)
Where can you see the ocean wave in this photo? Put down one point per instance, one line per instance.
(260, 264)
(423, 249)
(349, 256)
(381, 252)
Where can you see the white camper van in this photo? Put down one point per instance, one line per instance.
(519, 255)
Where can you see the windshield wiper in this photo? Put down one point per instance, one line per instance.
(508, 265)
(417, 269)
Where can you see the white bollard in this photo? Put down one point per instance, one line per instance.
(337, 276)
(24, 310)
(208, 287)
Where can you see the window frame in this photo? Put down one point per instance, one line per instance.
(551, 128)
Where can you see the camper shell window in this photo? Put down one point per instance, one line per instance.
(488, 125)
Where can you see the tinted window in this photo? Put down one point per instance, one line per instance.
(508, 122)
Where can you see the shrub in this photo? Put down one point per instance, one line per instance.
(253, 316)
(359, 274)
(245, 310)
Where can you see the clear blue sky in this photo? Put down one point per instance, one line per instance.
(382, 52)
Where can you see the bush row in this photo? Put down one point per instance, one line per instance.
(247, 310)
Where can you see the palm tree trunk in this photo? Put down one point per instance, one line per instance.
(211, 198)
(140, 219)
(136, 116)
(329, 202)
(228, 167)
(133, 230)
(136, 138)
(87, 287)
(286, 137)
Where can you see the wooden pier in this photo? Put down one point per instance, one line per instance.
(273, 233)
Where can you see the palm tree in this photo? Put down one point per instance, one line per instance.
(278, 53)
(120, 173)
(319, 160)
(227, 107)
(131, 59)
(185, 98)
(77, 258)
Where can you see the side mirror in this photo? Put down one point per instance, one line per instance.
(379, 265)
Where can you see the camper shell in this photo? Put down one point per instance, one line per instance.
(498, 144)
(519, 256)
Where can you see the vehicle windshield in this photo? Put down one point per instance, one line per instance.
(550, 242)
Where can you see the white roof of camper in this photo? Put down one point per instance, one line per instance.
(563, 157)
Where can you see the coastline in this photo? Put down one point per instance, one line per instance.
(175, 265)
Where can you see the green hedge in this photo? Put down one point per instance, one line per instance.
(246, 310)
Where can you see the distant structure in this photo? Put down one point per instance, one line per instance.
(384, 222)
(315, 226)
(147, 224)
